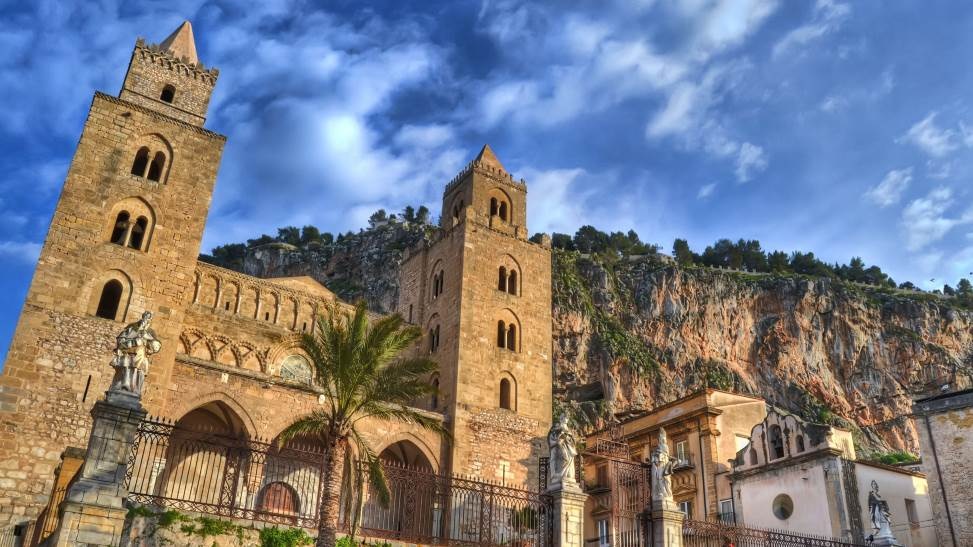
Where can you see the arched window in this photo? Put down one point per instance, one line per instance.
(512, 282)
(502, 283)
(493, 207)
(776, 442)
(512, 337)
(279, 499)
(800, 443)
(138, 233)
(503, 210)
(753, 457)
(168, 94)
(120, 229)
(111, 296)
(506, 399)
(141, 161)
(434, 339)
(155, 169)
(501, 334)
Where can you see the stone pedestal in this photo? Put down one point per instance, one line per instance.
(93, 511)
(568, 516)
(666, 524)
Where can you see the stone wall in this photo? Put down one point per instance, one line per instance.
(945, 427)
(151, 69)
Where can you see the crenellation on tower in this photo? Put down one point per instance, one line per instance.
(169, 78)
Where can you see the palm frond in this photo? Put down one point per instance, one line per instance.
(317, 423)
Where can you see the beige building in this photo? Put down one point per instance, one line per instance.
(705, 431)
(125, 238)
(945, 424)
(805, 478)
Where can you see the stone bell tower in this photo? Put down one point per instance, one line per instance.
(482, 294)
(124, 239)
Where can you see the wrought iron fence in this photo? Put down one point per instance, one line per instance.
(437, 509)
(255, 480)
(232, 477)
(719, 534)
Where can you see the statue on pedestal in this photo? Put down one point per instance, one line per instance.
(133, 346)
(878, 510)
(563, 445)
(662, 466)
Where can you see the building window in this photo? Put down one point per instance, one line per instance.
(437, 284)
(493, 207)
(912, 513)
(111, 296)
(138, 233)
(141, 162)
(682, 454)
(512, 337)
(800, 443)
(503, 211)
(410, 313)
(687, 508)
(296, 368)
(603, 537)
(155, 168)
(168, 94)
(434, 339)
(601, 476)
(501, 334)
(726, 511)
(783, 506)
(753, 457)
(776, 442)
(506, 395)
(120, 230)
(434, 402)
(512, 282)
(502, 282)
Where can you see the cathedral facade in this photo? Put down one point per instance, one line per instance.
(125, 238)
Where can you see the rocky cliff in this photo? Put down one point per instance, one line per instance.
(633, 333)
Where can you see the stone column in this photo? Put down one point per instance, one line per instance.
(568, 506)
(93, 511)
(667, 525)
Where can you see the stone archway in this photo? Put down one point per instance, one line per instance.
(405, 453)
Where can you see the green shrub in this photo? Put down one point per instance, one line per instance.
(286, 537)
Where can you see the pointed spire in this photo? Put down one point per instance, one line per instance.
(487, 157)
(181, 45)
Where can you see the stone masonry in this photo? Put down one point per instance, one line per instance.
(125, 238)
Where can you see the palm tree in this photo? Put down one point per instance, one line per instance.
(361, 368)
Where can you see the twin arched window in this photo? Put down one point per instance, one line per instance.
(143, 167)
(499, 208)
(437, 284)
(506, 335)
(130, 234)
(507, 281)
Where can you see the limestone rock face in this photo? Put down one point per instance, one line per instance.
(829, 351)
(360, 266)
(645, 332)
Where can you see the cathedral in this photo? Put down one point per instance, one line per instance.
(125, 239)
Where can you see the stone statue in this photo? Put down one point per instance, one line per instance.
(563, 445)
(878, 510)
(662, 466)
(133, 346)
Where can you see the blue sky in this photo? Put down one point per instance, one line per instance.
(835, 127)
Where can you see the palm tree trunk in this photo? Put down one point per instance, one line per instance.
(331, 494)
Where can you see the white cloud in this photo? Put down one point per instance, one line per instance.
(828, 17)
(727, 23)
(706, 190)
(931, 138)
(23, 251)
(833, 103)
(424, 136)
(889, 190)
(750, 159)
(925, 220)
